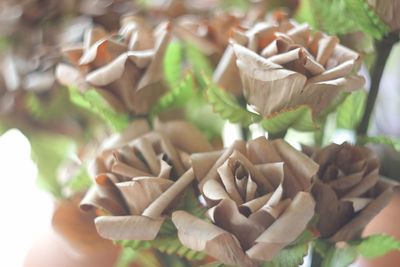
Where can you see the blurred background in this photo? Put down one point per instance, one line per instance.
(44, 138)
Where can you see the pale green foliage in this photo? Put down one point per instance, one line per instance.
(92, 101)
(228, 107)
(380, 139)
(350, 112)
(299, 118)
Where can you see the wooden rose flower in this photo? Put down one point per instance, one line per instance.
(285, 65)
(139, 177)
(348, 191)
(126, 68)
(257, 199)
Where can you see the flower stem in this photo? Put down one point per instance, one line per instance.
(383, 48)
(316, 259)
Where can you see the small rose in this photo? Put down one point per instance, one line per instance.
(348, 191)
(284, 65)
(138, 177)
(126, 68)
(257, 202)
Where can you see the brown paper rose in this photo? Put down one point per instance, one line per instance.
(284, 65)
(348, 191)
(126, 68)
(139, 177)
(388, 11)
(257, 200)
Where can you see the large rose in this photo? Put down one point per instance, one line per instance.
(256, 193)
(348, 191)
(126, 68)
(284, 65)
(138, 176)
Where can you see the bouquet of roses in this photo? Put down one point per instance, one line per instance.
(191, 154)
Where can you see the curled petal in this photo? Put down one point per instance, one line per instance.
(199, 235)
(283, 231)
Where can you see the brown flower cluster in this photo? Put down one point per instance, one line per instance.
(138, 177)
(348, 190)
(125, 68)
(257, 200)
(283, 65)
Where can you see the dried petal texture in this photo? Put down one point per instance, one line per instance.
(139, 176)
(284, 65)
(125, 68)
(257, 197)
(348, 191)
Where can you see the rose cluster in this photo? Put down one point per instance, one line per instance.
(260, 195)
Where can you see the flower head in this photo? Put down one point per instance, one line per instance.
(126, 68)
(138, 178)
(348, 191)
(257, 202)
(283, 65)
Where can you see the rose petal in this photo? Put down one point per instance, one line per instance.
(353, 229)
(282, 232)
(142, 191)
(266, 85)
(182, 134)
(128, 227)
(155, 209)
(199, 235)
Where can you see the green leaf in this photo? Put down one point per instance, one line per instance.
(167, 244)
(48, 151)
(339, 257)
(322, 247)
(201, 114)
(376, 245)
(172, 63)
(172, 246)
(126, 257)
(129, 256)
(134, 244)
(327, 15)
(299, 118)
(191, 204)
(305, 237)
(366, 18)
(342, 16)
(228, 107)
(380, 139)
(292, 256)
(199, 61)
(92, 101)
(178, 96)
(350, 112)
